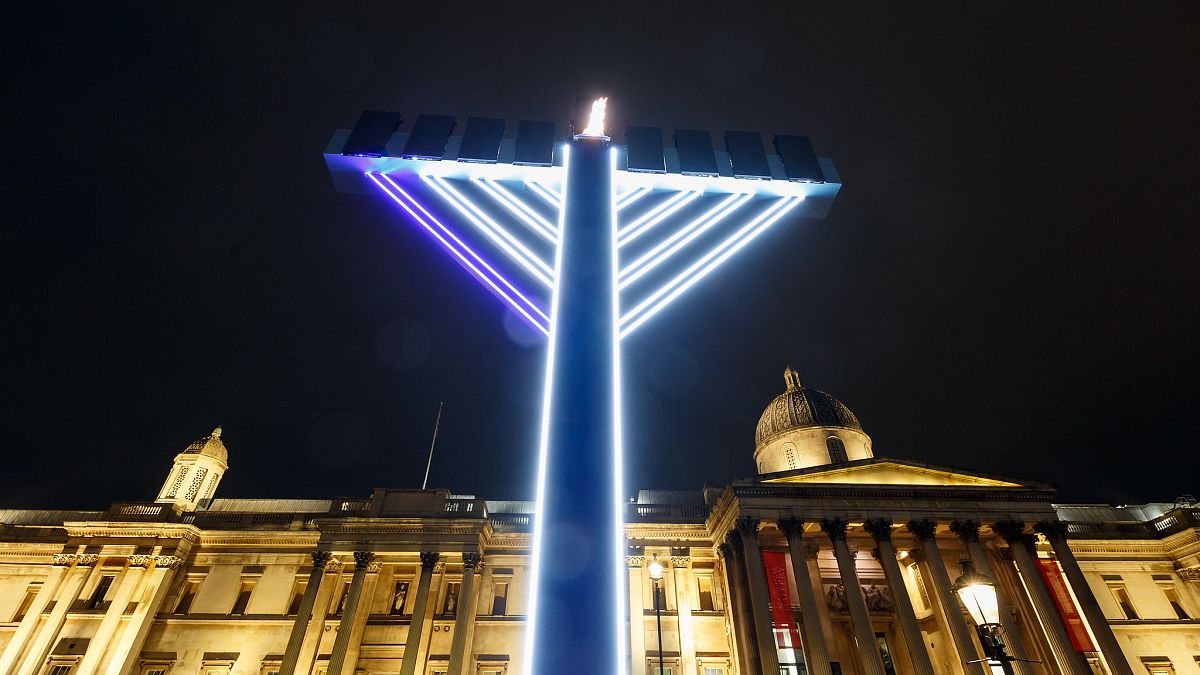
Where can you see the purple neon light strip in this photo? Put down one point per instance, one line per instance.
(467, 257)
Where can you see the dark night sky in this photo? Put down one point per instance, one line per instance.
(1007, 281)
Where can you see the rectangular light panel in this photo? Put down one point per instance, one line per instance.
(429, 136)
(799, 159)
(696, 156)
(371, 133)
(481, 140)
(746, 154)
(644, 147)
(535, 143)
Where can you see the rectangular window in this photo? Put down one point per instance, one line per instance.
(243, 598)
(399, 597)
(1173, 598)
(1123, 600)
(709, 670)
(60, 669)
(96, 601)
(297, 597)
(500, 598)
(154, 671)
(187, 596)
(30, 594)
(704, 585)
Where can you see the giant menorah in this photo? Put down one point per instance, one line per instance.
(598, 239)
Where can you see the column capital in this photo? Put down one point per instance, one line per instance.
(635, 560)
(1052, 530)
(681, 561)
(923, 529)
(917, 554)
(1013, 532)
(374, 566)
(140, 560)
(835, 528)
(791, 527)
(879, 528)
(733, 540)
(86, 559)
(747, 526)
(439, 567)
(362, 559)
(967, 530)
(1189, 573)
(321, 558)
(62, 559)
(811, 550)
(429, 559)
(471, 560)
(334, 566)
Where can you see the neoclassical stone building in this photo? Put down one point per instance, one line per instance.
(829, 560)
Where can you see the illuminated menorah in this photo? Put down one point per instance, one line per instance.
(599, 240)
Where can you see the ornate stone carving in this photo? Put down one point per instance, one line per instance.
(835, 528)
(321, 558)
(811, 550)
(917, 554)
(681, 561)
(334, 566)
(635, 560)
(723, 551)
(374, 566)
(880, 529)
(169, 562)
(439, 567)
(792, 528)
(922, 529)
(1013, 532)
(429, 559)
(470, 560)
(86, 559)
(62, 559)
(747, 526)
(1052, 529)
(967, 530)
(1189, 573)
(734, 540)
(140, 560)
(363, 558)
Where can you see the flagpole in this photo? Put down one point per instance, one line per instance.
(433, 444)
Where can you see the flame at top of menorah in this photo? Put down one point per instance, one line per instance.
(490, 148)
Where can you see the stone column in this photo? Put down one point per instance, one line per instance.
(155, 587)
(346, 626)
(1021, 547)
(98, 645)
(326, 603)
(61, 565)
(881, 531)
(1056, 533)
(681, 566)
(939, 581)
(768, 657)
(864, 635)
(409, 665)
(637, 614)
(737, 611)
(43, 638)
(464, 617)
(304, 613)
(816, 654)
(360, 618)
(968, 532)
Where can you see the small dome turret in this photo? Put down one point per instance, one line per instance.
(805, 427)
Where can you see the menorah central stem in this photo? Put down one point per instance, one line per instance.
(577, 597)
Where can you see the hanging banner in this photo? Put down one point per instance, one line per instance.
(1071, 618)
(781, 599)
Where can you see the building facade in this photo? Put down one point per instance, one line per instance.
(830, 560)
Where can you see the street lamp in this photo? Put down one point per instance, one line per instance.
(656, 574)
(977, 592)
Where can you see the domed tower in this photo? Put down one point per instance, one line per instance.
(196, 473)
(806, 427)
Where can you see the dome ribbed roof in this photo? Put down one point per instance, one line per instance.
(800, 408)
(210, 446)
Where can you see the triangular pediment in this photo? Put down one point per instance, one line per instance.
(887, 471)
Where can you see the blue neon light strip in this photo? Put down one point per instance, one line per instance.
(698, 270)
(519, 208)
(618, 500)
(680, 238)
(655, 216)
(495, 282)
(630, 197)
(546, 193)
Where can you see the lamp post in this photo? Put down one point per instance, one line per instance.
(656, 574)
(977, 592)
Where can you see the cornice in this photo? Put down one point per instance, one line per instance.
(188, 533)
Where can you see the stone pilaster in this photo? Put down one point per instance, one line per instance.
(864, 635)
(937, 581)
(816, 654)
(155, 587)
(681, 570)
(464, 618)
(304, 613)
(62, 564)
(99, 644)
(337, 658)
(1056, 533)
(429, 559)
(46, 634)
(740, 621)
(881, 530)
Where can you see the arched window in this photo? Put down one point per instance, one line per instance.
(837, 451)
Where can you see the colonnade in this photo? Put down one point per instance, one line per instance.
(750, 603)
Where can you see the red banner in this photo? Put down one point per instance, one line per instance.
(1053, 577)
(781, 600)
